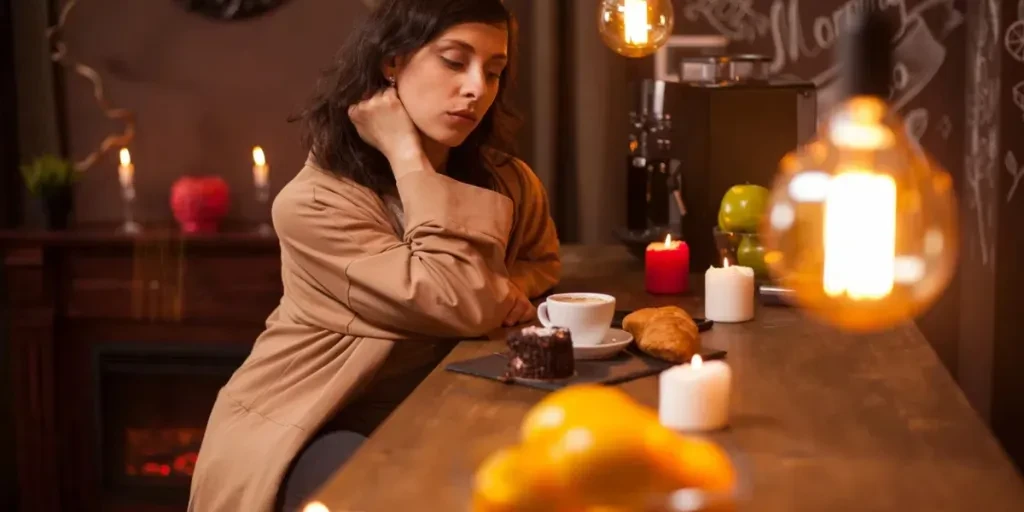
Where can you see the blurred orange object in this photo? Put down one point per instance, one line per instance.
(607, 463)
(513, 480)
(690, 462)
(584, 404)
(592, 448)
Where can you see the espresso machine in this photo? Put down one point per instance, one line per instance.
(725, 122)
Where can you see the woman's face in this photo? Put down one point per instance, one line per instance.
(448, 85)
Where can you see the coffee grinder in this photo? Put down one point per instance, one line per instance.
(654, 202)
(725, 122)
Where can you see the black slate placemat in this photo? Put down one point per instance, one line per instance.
(627, 365)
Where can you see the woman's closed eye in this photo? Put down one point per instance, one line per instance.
(495, 74)
(458, 65)
(453, 64)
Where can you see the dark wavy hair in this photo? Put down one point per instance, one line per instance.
(397, 28)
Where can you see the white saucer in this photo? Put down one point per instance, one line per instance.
(613, 343)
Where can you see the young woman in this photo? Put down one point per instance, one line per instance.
(410, 223)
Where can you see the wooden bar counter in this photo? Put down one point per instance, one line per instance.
(820, 420)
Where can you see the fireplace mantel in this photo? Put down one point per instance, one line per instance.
(70, 293)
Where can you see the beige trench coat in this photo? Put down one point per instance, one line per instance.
(352, 287)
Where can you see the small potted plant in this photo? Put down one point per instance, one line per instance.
(51, 179)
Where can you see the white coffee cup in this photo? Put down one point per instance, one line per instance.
(588, 316)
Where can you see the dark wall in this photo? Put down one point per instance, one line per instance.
(522, 92)
(9, 199)
(205, 92)
(8, 213)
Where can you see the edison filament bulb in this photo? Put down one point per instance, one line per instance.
(635, 28)
(861, 223)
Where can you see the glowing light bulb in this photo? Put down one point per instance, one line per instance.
(635, 28)
(860, 243)
(634, 21)
(862, 224)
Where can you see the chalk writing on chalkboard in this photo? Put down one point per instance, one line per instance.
(916, 123)
(1016, 172)
(1018, 96)
(735, 19)
(1014, 39)
(982, 169)
(794, 37)
(946, 127)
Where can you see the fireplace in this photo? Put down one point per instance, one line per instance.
(151, 410)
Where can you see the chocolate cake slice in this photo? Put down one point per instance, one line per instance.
(543, 353)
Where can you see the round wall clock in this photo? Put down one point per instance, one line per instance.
(231, 9)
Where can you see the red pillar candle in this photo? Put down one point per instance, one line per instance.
(667, 267)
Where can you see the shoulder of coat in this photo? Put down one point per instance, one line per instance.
(318, 188)
(514, 174)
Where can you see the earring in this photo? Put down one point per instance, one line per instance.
(391, 80)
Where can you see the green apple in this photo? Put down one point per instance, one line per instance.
(742, 208)
(750, 253)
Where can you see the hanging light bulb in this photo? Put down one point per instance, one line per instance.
(635, 28)
(862, 223)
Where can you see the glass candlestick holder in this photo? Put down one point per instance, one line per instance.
(128, 201)
(263, 199)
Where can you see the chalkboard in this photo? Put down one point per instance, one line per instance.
(1000, 180)
(802, 38)
(959, 79)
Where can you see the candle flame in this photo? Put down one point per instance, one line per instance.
(258, 157)
(696, 361)
(668, 239)
(316, 506)
(126, 157)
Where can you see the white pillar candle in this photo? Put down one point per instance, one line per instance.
(695, 397)
(729, 294)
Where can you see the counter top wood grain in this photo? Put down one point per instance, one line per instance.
(820, 420)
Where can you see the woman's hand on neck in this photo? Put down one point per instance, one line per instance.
(428, 155)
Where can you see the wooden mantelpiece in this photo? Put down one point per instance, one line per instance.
(68, 292)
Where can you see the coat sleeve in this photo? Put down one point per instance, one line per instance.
(445, 278)
(537, 266)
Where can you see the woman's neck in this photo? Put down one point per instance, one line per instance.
(437, 154)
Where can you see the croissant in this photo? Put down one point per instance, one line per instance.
(667, 333)
(635, 322)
